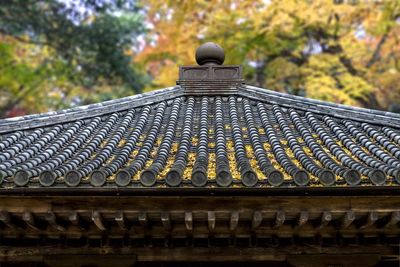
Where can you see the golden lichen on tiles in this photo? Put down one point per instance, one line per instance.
(132, 156)
(103, 143)
(195, 141)
(112, 177)
(108, 161)
(253, 162)
(211, 174)
(230, 149)
(159, 141)
(187, 173)
(122, 142)
(136, 177)
(274, 162)
(311, 155)
(170, 161)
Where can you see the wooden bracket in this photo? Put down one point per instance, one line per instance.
(98, 220)
(189, 221)
(256, 220)
(51, 219)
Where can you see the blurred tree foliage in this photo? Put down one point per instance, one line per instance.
(56, 53)
(335, 50)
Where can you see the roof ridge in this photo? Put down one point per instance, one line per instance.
(88, 111)
(322, 107)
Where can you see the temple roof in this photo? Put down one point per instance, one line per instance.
(206, 132)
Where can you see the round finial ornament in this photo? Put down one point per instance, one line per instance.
(210, 54)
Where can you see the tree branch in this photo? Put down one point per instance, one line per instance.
(376, 55)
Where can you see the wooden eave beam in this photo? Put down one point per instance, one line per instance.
(326, 218)
(279, 219)
(97, 218)
(256, 220)
(143, 219)
(371, 219)
(189, 221)
(75, 220)
(166, 221)
(6, 219)
(234, 220)
(121, 220)
(348, 219)
(393, 219)
(211, 221)
(30, 221)
(303, 218)
(51, 219)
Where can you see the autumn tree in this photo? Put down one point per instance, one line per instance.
(56, 48)
(342, 51)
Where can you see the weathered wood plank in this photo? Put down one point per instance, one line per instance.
(225, 254)
(355, 260)
(360, 204)
(85, 260)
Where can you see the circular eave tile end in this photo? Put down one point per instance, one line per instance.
(123, 178)
(21, 178)
(377, 177)
(249, 178)
(352, 177)
(327, 178)
(148, 178)
(47, 178)
(2, 175)
(275, 178)
(224, 179)
(72, 178)
(396, 177)
(98, 178)
(301, 178)
(199, 178)
(173, 178)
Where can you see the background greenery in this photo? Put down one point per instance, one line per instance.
(60, 53)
